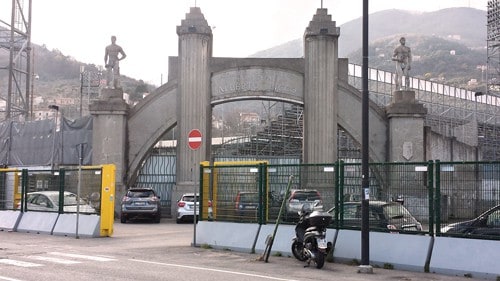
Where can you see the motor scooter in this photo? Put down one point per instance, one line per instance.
(310, 243)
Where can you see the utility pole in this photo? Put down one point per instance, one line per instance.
(365, 266)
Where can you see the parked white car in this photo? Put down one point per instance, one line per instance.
(185, 208)
(48, 201)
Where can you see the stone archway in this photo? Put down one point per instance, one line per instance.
(197, 81)
(159, 109)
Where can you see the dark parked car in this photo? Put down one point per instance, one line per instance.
(246, 204)
(382, 215)
(488, 223)
(140, 203)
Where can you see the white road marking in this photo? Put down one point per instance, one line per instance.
(86, 257)
(9, 279)
(214, 270)
(53, 259)
(19, 263)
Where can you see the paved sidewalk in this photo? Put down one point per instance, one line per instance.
(292, 269)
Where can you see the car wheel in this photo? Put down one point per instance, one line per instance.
(123, 219)
(178, 220)
(157, 218)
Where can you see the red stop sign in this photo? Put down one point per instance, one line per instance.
(194, 139)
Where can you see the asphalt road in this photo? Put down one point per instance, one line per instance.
(149, 251)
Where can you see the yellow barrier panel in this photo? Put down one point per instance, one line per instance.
(206, 191)
(17, 192)
(107, 199)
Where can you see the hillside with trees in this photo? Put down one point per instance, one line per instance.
(449, 45)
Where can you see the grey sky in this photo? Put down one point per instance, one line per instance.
(147, 29)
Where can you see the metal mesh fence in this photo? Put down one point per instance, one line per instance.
(51, 190)
(396, 189)
(158, 173)
(401, 194)
(313, 183)
(465, 192)
(236, 193)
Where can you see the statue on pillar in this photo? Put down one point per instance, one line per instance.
(112, 57)
(402, 57)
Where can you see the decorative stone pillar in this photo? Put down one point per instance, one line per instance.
(193, 102)
(406, 128)
(321, 89)
(109, 135)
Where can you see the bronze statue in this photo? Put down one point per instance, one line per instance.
(112, 62)
(402, 57)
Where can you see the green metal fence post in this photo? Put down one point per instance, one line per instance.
(263, 200)
(430, 188)
(62, 174)
(24, 189)
(339, 207)
(437, 194)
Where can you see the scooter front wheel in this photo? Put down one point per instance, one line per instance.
(298, 251)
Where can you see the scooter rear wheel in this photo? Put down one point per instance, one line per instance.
(298, 251)
(319, 259)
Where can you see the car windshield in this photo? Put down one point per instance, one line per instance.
(140, 194)
(306, 196)
(249, 197)
(494, 219)
(69, 199)
(395, 211)
(188, 198)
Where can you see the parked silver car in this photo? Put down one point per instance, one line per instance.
(297, 198)
(140, 203)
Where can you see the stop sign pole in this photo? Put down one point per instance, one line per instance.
(194, 139)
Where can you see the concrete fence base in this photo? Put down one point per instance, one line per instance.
(466, 257)
(9, 220)
(50, 223)
(450, 256)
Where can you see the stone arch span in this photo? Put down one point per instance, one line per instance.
(157, 113)
(146, 124)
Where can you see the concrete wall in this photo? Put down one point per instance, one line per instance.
(439, 147)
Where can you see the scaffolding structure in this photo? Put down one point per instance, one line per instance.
(16, 73)
(493, 48)
(471, 117)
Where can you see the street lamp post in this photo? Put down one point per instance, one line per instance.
(476, 166)
(56, 108)
(34, 77)
(476, 94)
(82, 72)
